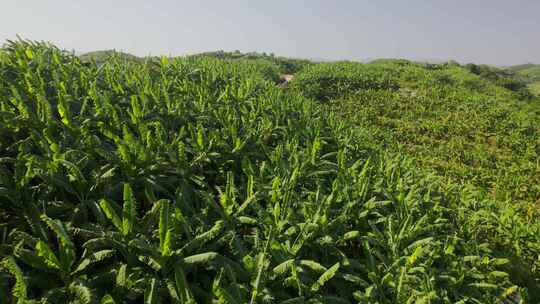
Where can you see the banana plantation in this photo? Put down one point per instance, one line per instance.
(201, 180)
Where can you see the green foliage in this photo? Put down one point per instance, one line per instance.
(535, 88)
(500, 77)
(199, 180)
(326, 81)
(285, 65)
(529, 72)
(100, 57)
(460, 124)
(19, 291)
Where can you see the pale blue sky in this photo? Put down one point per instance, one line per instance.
(485, 31)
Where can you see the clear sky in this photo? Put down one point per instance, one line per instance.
(498, 32)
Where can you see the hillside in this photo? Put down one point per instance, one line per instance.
(535, 88)
(530, 73)
(284, 64)
(467, 127)
(529, 70)
(104, 55)
(200, 180)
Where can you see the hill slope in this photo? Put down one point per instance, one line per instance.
(531, 74)
(467, 126)
(103, 55)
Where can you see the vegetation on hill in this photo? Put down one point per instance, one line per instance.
(530, 74)
(529, 71)
(284, 64)
(468, 126)
(501, 77)
(199, 180)
(535, 88)
(104, 55)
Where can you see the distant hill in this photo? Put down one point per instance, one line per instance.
(529, 73)
(285, 65)
(521, 67)
(100, 56)
(511, 77)
(416, 59)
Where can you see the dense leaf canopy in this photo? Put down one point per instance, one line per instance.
(199, 180)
